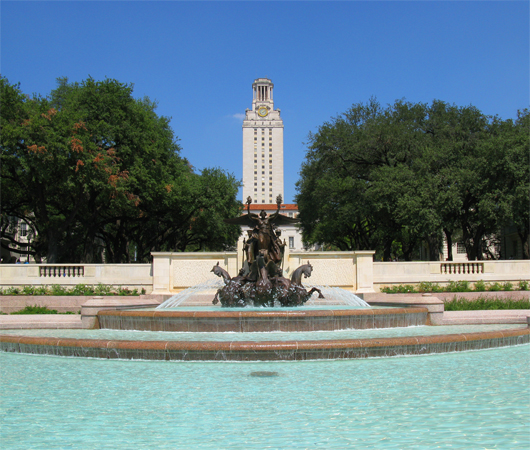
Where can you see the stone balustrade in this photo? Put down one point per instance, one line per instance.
(61, 271)
(172, 272)
(461, 267)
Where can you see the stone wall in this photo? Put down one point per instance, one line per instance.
(172, 272)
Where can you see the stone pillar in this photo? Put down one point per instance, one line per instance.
(162, 276)
(364, 271)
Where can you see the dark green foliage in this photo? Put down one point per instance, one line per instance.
(98, 176)
(485, 303)
(388, 178)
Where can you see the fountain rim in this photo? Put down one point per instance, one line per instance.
(264, 313)
(271, 350)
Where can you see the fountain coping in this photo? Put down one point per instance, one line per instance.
(258, 351)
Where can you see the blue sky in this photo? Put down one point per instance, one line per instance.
(199, 59)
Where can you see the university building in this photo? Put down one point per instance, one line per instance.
(263, 160)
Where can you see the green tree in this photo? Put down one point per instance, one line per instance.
(389, 178)
(98, 171)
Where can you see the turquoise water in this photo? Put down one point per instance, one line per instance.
(265, 336)
(469, 400)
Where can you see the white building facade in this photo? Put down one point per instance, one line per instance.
(262, 146)
(263, 161)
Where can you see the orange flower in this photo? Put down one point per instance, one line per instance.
(76, 145)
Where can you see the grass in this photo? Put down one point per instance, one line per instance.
(39, 310)
(485, 303)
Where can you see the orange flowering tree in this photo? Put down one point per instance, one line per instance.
(98, 176)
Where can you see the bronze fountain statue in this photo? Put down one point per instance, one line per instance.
(260, 281)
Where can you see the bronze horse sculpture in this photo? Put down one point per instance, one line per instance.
(239, 291)
(260, 281)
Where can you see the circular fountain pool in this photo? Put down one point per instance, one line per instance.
(460, 401)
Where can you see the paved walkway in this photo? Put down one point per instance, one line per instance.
(487, 316)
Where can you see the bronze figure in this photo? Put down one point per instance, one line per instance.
(260, 281)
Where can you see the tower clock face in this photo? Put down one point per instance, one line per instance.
(262, 112)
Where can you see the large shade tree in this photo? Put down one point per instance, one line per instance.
(389, 178)
(97, 172)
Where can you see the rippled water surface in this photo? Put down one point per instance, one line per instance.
(469, 400)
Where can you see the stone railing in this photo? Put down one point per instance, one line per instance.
(461, 268)
(61, 271)
(173, 272)
(132, 276)
(415, 272)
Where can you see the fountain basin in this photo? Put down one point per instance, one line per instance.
(262, 320)
(171, 350)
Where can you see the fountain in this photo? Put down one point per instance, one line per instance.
(260, 281)
(261, 300)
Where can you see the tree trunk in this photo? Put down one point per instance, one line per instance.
(449, 240)
(523, 235)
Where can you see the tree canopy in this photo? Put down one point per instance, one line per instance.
(99, 175)
(390, 178)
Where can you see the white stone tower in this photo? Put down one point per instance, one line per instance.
(262, 146)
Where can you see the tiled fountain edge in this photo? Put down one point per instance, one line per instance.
(263, 351)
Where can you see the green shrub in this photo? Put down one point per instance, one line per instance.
(485, 303)
(82, 289)
(458, 286)
(480, 286)
(28, 290)
(495, 287)
(399, 289)
(11, 291)
(523, 285)
(426, 286)
(507, 286)
(41, 290)
(36, 310)
(127, 291)
(57, 289)
(102, 289)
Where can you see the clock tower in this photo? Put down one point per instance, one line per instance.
(262, 146)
